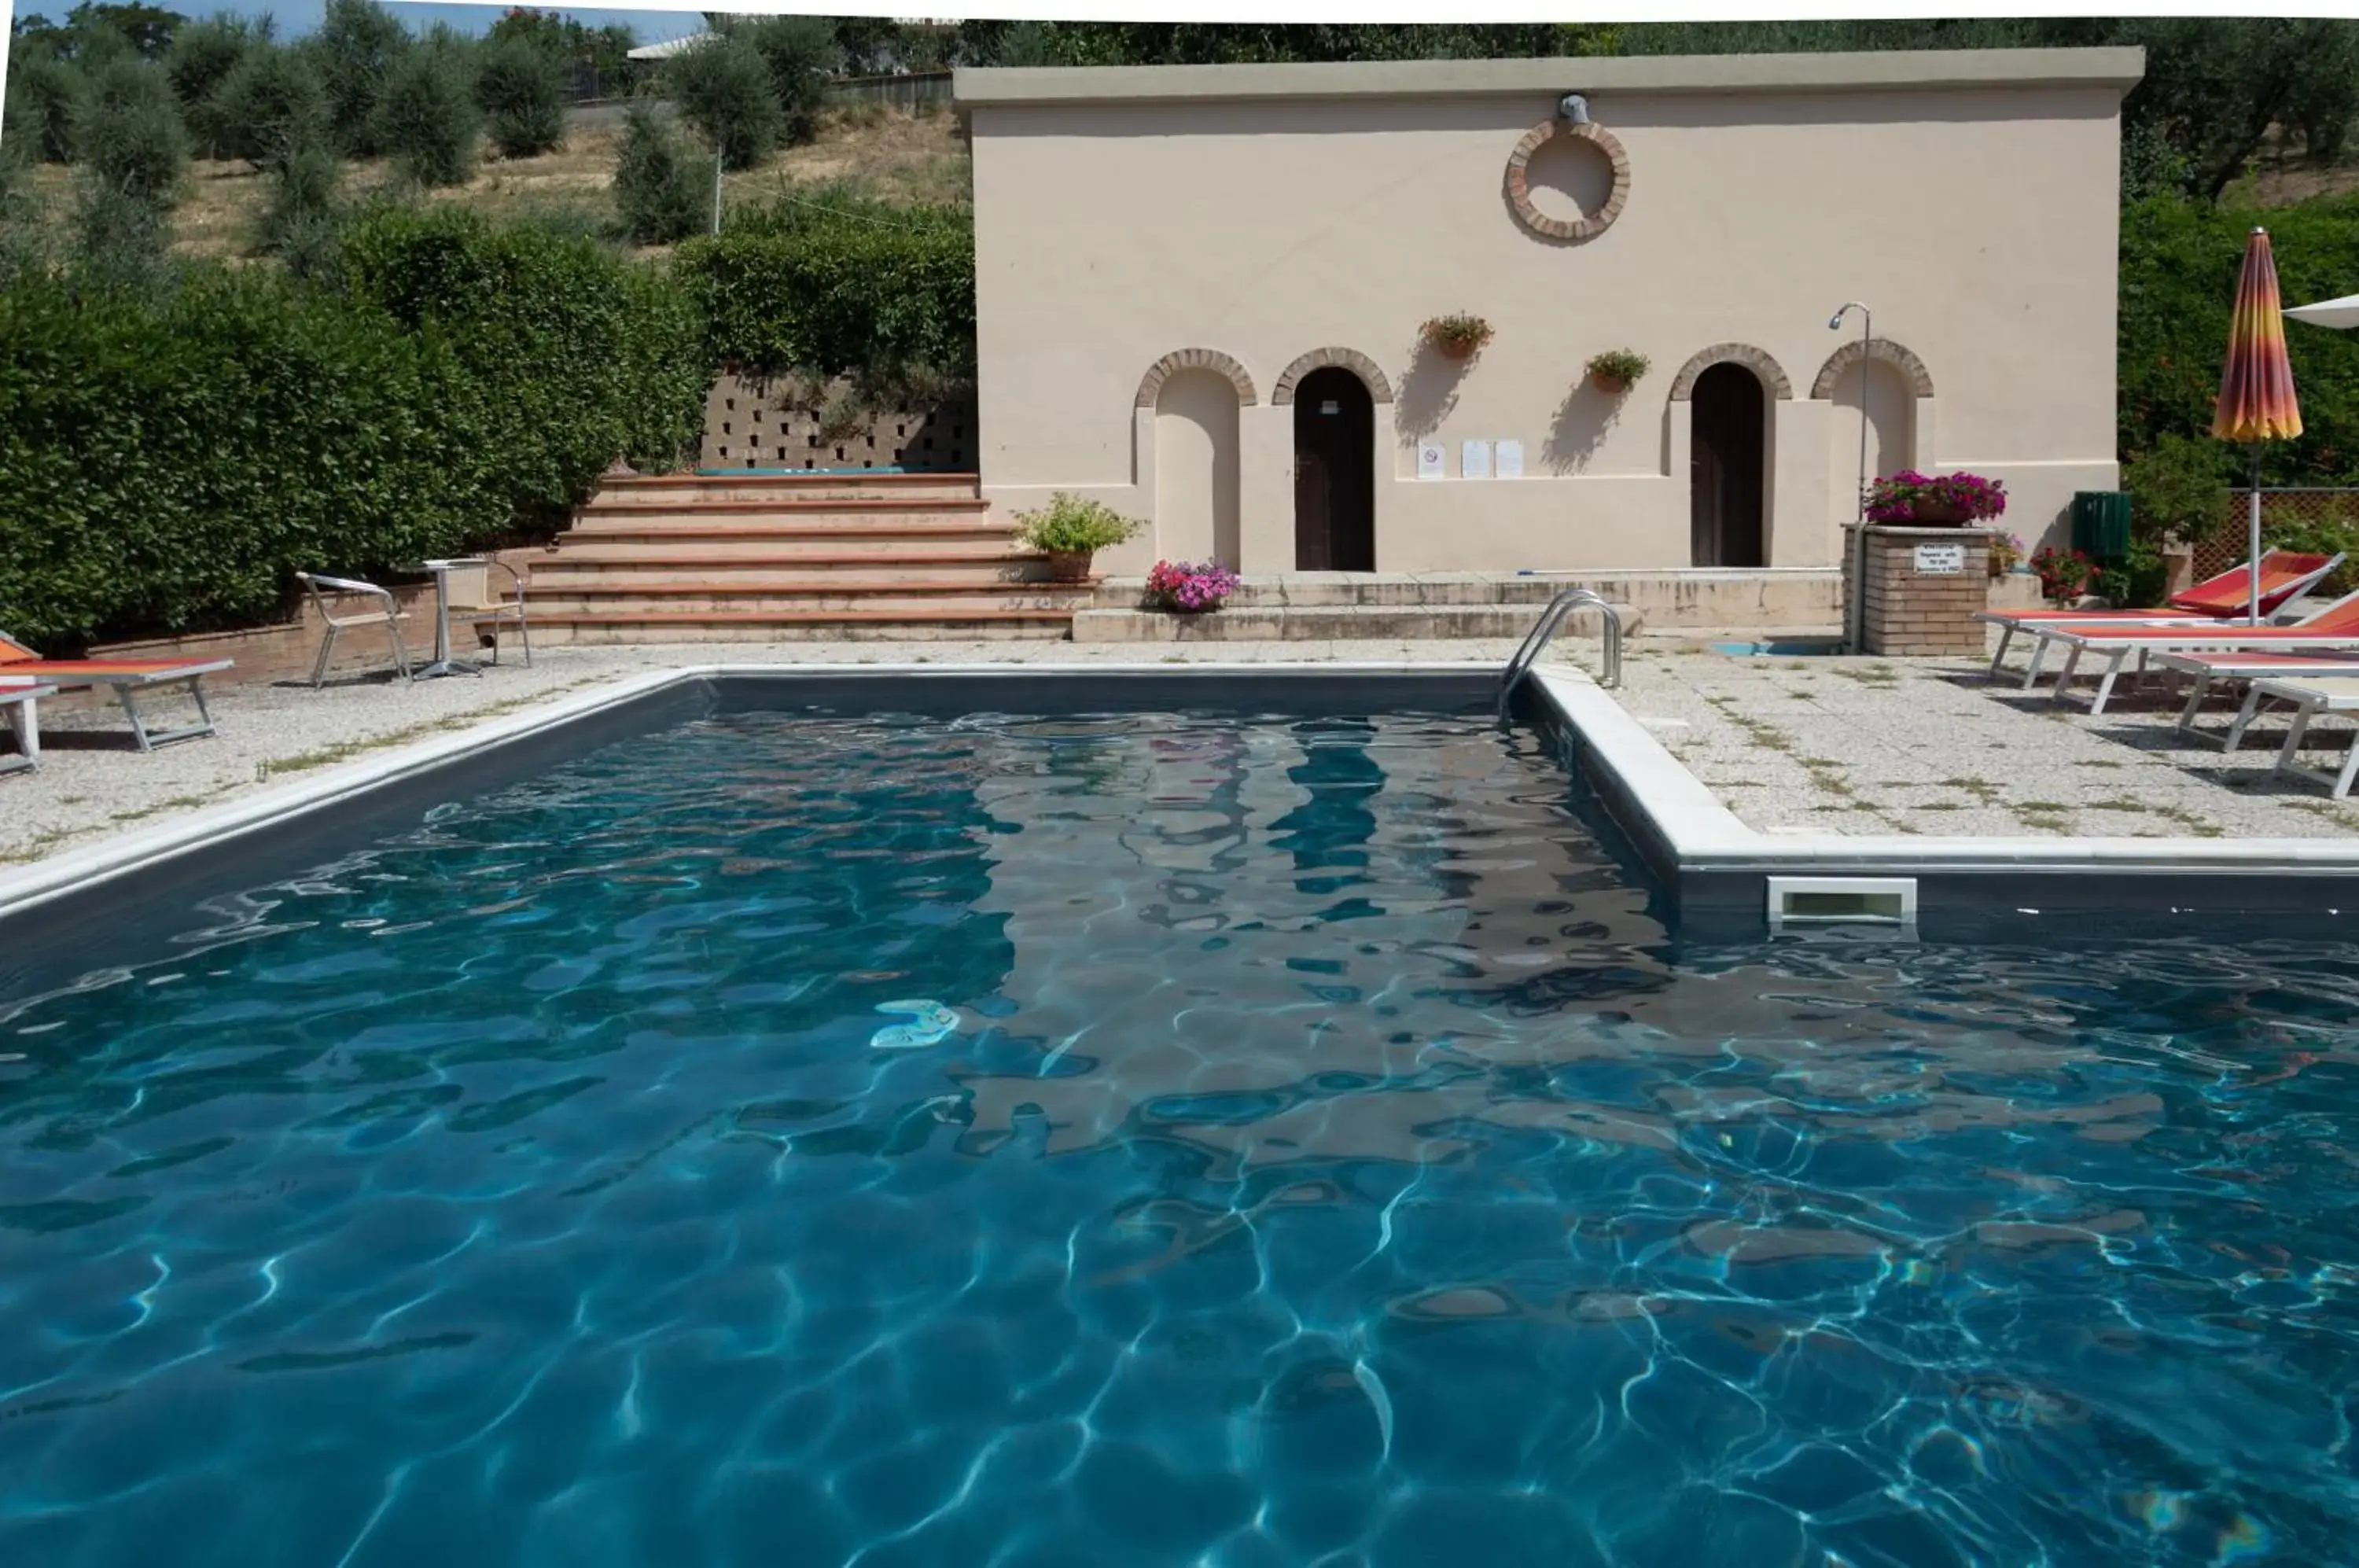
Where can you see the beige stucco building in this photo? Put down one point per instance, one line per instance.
(1200, 294)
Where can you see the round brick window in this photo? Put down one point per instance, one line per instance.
(1590, 144)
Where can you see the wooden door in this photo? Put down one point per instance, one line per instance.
(1334, 474)
(1727, 478)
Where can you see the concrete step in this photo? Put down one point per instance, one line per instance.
(862, 512)
(634, 567)
(1707, 598)
(930, 625)
(615, 539)
(676, 489)
(1313, 623)
(798, 597)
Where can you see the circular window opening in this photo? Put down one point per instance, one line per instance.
(1568, 181)
(1570, 178)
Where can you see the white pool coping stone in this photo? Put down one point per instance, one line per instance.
(123, 855)
(1699, 834)
(1702, 834)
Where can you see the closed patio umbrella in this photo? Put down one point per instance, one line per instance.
(2257, 401)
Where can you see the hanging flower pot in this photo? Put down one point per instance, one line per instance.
(1457, 335)
(1617, 370)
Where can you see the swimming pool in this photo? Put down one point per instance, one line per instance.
(1332, 1159)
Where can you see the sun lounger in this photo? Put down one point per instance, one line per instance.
(2209, 668)
(22, 699)
(2311, 696)
(2332, 629)
(2285, 576)
(123, 677)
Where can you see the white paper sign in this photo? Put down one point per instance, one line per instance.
(1474, 460)
(1940, 560)
(1429, 461)
(1509, 462)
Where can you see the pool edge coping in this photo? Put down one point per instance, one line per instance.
(1698, 835)
(123, 855)
(1701, 834)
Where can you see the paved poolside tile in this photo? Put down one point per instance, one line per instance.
(1875, 745)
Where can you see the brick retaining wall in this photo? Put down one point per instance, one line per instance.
(284, 652)
(1912, 612)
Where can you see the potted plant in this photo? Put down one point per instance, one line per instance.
(1930, 500)
(1458, 335)
(1617, 370)
(1069, 530)
(2063, 574)
(1189, 590)
(2005, 554)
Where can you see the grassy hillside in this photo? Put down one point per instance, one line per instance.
(893, 156)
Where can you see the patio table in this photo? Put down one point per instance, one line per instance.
(443, 664)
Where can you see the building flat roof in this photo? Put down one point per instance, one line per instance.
(1882, 70)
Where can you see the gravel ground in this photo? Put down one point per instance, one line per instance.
(92, 781)
(1882, 745)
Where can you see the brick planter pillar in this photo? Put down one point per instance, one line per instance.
(1922, 586)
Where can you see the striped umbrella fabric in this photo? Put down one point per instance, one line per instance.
(2256, 399)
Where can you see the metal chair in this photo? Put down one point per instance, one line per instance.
(388, 614)
(499, 613)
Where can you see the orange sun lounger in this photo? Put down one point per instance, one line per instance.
(123, 677)
(2284, 575)
(2334, 628)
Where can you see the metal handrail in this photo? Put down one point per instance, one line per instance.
(1536, 641)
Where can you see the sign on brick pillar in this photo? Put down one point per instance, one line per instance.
(1921, 588)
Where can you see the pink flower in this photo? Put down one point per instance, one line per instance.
(1177, 586)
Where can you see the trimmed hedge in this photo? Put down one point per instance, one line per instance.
(579, 355)
(837, 287)
(2178, 265)
(171, 456)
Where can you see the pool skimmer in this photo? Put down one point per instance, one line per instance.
(1887, 901)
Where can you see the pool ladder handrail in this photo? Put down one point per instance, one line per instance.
(1551, 619)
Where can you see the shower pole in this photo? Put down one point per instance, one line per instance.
(1856, 610)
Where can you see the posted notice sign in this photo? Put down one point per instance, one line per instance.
(1940, 560)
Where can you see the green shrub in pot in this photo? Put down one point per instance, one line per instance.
(1070, 530)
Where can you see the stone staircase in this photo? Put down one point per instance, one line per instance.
(770, 558)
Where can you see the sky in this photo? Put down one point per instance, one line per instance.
(296, 17)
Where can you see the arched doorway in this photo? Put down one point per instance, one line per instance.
(1881, 381)
(1335, 473)
(1727, 467)
(1196, 468)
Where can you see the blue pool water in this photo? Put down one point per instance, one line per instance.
(1328, 1161)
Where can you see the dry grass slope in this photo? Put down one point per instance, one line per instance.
(897, 156)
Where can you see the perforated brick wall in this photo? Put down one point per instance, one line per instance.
(1915, 605)
(751, 425)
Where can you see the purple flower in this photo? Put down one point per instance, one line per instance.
(1190, 589)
